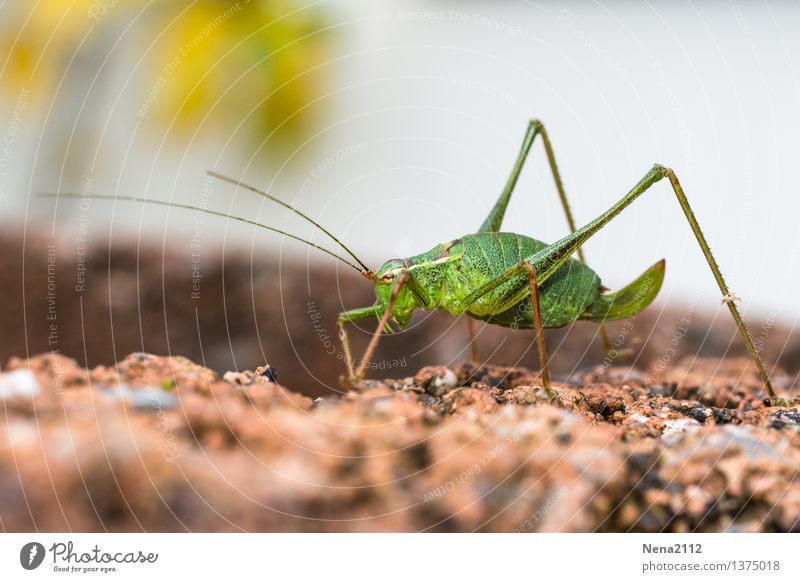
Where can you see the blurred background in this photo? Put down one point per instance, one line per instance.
(395, 125)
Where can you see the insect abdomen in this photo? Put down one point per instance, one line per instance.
(478, 258)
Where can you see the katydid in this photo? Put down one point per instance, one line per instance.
(504, 278)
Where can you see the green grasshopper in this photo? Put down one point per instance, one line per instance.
(505, 278)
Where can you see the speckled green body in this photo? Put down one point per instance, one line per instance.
(502, 278)
(449, 272)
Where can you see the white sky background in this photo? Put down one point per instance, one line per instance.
(439, 102)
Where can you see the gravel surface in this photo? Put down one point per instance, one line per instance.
(163, 444)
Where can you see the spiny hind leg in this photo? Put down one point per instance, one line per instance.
(494, 221)
(567, 245)
(727, 297)
(654, 175)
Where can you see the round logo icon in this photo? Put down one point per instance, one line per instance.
(31, 555)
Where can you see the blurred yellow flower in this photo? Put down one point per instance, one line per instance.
(204, 63)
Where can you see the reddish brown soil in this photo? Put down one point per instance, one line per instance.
(163, 444)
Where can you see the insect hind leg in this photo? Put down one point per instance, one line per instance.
(549, 259)
(556, 254)
(727, 296)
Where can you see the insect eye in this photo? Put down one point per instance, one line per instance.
(388, 277)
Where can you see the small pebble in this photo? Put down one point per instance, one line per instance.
(18, 383)
(147, 398)
(270, 373)
(446, 378)
(678, 425)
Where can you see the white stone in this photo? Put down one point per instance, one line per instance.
(20, 382)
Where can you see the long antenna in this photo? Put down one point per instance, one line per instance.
(366, 272)
(236, 182)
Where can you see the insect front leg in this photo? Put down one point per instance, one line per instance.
(354, 376)
(349, 317)
(384, 321)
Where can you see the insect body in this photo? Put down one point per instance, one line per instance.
(480, 276)
(504, 278)
(443, 278)
(519, 282)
